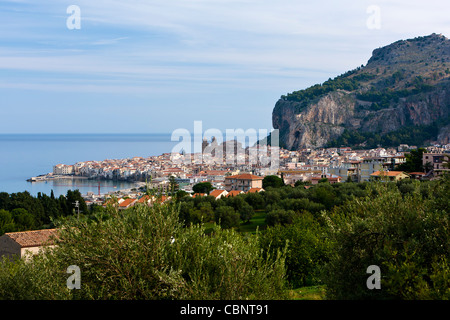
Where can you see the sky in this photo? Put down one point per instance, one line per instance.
(155, 66)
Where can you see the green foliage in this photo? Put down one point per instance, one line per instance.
(146, 253)
(173, 185)
(386, 96)
(23, 219)
(280, 217)
(17, 280)
(21, 211)
(6, 222)
(255, 200)
(226, 217)
(308, 248)
(405, 234)
(202, 187)
(313, 200)
(414, 162)
(272, 181)
(300, 183)
(343, 82)
(180, 194)
(412, 135)
(326, 235)
(246, 212)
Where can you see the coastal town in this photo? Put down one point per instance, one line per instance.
(242, 175)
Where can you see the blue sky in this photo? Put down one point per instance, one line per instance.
(154, 66)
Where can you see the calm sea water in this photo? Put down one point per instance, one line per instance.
(26, 155)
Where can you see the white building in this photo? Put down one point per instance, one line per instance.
(63, 169)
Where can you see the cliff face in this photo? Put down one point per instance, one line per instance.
(404, 84)
(314, 127)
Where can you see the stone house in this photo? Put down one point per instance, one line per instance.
(18, 244)
(243, 182)
(389, 175)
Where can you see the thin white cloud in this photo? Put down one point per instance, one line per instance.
(226, 48)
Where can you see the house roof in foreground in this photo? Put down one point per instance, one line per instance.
(35, 238)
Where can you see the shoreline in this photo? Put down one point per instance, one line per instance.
(49, 176)
(90, 195)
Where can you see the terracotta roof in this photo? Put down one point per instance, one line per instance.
(216, 193)
(387, 173)
(127, 202)
(233, 193)
(254, 190)
(144, 199)
(216, 172)
(35, 238)
(245, 176)
(198, 195)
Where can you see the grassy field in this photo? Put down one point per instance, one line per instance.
(257, 221)
(308, 293)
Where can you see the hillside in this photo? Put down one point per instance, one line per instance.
(402, 95)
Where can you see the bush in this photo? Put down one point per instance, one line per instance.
(280, 217)
(307, 248)
(226, 217)
(402, 233)
(272, 181)
(146, 253)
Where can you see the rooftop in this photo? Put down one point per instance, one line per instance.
(245, 176)
(33, 238)
(387, 173)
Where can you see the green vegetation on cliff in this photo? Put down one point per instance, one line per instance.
(411, 135)
(405, 86)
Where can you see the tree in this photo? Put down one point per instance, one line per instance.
(6, 222)
(272, 181)
(31, 204)
(173, 185)
(180, 194)
(256, 200)
(226, 217)
(23, 219)
(72, 198)
(300, 183)
(280, 217)
(308, 248)
(406, 235)
(206, 211)
(202, 187)
(246, 212)
(145, 253)
(414, 162)
(51, 206)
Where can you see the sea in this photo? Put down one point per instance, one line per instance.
(23, 156)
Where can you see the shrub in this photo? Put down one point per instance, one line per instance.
(146, 253)
(402, 233)
(226, 217)
(307, 248)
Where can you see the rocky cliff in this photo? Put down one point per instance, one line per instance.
(404, 85)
